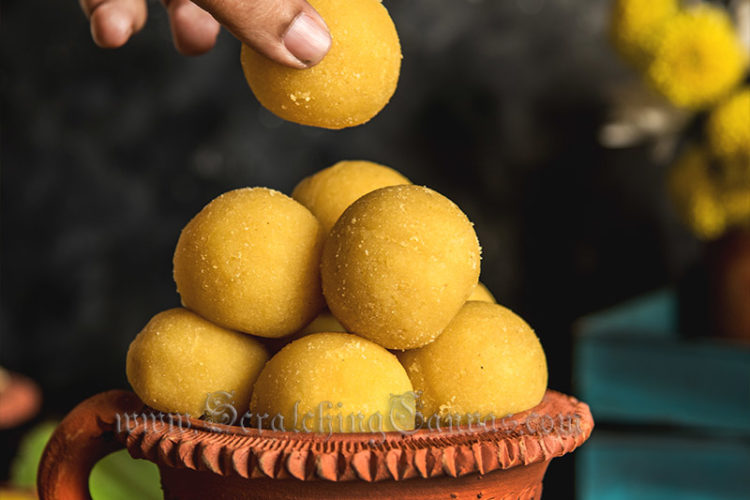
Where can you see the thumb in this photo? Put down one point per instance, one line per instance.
(290, 32)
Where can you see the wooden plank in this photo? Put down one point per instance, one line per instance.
(630, 368)
(652, 315)
(620, 466)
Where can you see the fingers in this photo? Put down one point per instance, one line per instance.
(194, 30)
(114, 21)
(288, 31)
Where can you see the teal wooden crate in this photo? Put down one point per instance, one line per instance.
(634, 465)
(632, 366)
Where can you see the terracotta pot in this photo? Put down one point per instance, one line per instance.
(504, 459)
(20, 400)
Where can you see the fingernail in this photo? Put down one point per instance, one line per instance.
(307, 40)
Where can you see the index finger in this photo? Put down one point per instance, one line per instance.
(114, 21)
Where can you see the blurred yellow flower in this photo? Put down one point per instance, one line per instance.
(635, 25)
(706, 204)
(728, 131)
(698, 58)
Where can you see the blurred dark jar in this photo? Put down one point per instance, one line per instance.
(728, 266)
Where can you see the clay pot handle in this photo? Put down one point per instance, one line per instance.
(85, 436)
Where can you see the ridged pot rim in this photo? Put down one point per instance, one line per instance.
(558, 425)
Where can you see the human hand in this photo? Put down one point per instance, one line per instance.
(288, 31)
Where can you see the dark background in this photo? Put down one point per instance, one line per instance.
(107, 154)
